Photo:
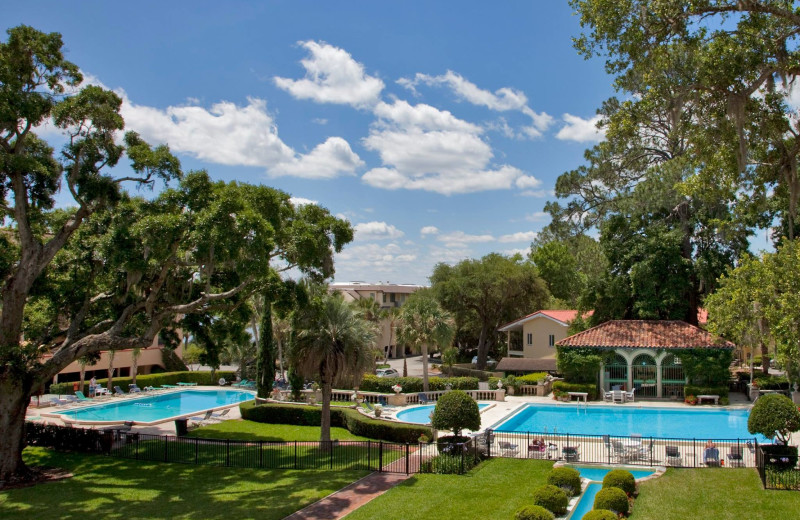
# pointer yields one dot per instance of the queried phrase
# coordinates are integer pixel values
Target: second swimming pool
(421, 414)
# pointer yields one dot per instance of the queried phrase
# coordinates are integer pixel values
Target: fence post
(408, 451)
(330, 444)
(489, 437)
(196, 450)
(694, 451)
(166, 447)
(295, 454)
(380, 456)
(369, 454)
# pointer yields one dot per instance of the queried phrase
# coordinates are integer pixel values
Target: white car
(489, 362)
(387, 372)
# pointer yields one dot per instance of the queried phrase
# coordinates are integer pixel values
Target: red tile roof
(509, 364)
(645, 334)
(564, 316)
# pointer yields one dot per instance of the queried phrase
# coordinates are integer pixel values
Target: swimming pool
(421, 414)
(596, 475)
(157, 408)
(623, 421)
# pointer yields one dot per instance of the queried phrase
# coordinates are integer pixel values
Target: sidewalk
(338, 504)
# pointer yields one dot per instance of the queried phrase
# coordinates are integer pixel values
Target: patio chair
(206, 417)
(79, 395)
(636, 440)
(483, 441)
(508, 449)
(673, 456)
(570, 453)
(618, 396)
(423, 398)
(369, 406)
(629, 395)
(621, 453)
(537, 449)
(734, 456)
(219, 416)
(608, 396)
(382, 401)
(711, 457)
(750, 446)
(134, 389)
(118, 391)
(243, 382)
(646, 452)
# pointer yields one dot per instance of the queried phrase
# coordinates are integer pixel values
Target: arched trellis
(616, 371)
(644, 375)
(673, 378)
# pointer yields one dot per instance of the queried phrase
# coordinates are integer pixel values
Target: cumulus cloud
(527, 182)
(356, 260)
(425, 148)
(326, 161)
(538, 216)
(332, 76)
(501, 100)
(376, 231)
(580, 130)
(300, 201)
(522, 236)
(429, 230)
(461, 238)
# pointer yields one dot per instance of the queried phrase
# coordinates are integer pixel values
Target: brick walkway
(350, 498)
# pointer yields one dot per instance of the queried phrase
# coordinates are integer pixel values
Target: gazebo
(645, 354)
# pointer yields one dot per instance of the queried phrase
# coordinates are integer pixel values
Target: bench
(715, 397)
(579, 395)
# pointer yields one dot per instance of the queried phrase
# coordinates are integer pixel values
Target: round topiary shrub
(613, 499)
(568, 479)
(600, 514)
(456, 411)
(533, 513)
(620, 478)
(551, 498)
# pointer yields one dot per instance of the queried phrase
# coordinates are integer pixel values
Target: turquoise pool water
(155, 408)
(586, 503)
(625, 420)
(421, 414)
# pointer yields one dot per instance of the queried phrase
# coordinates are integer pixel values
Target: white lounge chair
(629, 395)
(618, 396)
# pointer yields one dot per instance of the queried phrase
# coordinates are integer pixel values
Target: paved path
(350, 498)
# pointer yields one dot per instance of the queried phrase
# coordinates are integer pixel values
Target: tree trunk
(83, 375)
(15, 396)
(424, 350)
(135, 364)
(325, 418)
(280, 359)
(110, 384)
(482, 349)
(265, 364)
(764, 358)
(405, 362)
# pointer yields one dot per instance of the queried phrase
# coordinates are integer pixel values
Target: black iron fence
(778, 470)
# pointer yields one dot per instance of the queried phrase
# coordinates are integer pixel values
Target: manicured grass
(254, 431)
(117, 489)
(495, 489)
(718, 494)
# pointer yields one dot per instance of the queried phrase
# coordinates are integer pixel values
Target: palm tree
(281, 328)
(331, 338)
(423, 324)
(240, 353)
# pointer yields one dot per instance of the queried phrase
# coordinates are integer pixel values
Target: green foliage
(445, 464)
(265, 366)
(707, 367)
(559, 269)
(579, 365)
(563, 386)
(172, 363)
(450, 356)
(350, 419)
(164, 378)
(295, 380)
(517, 381)
(772, 382)
(613, 499)
(456, 411)
(566, 479)
(622, 479)
(84, 440)
(600, 514)
(533, 513)
(411, 385)
(774, 415)
(721, 391)
(551, 498)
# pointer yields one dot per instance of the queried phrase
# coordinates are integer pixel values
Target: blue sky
(437, 128)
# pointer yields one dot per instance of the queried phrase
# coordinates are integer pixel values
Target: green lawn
(254, 431)
(495, 489)
(718, 494)
(117, 489)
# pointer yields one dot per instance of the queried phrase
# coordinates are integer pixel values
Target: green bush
(449, 464)
(613, 499)
(774, 415)
(589, 388)
(551, 498)
(411, 385)
(721, 391)
(63, 438)
(600, 514)
(348, 418)
(622, 479)
(567, 479)
(532, 378)
(456, 411)
(164, 378)
(533, 513)
(772, 382)
(461, 371)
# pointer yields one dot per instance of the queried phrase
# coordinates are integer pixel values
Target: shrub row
(622, 479)
(567, 479)
(589, 388)
(721, 391)
(482, 375)
(372, 383)
(449, 464)
(612, 499)
(164, 378)
(533, 513)
(772, 382)
(517, 381)
(348, 418)
(62, 438)
(551, 498)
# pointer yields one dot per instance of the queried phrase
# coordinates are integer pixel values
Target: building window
(391, 297)
(530, 338)
(552, 340)
(384, 297)
(372, 296)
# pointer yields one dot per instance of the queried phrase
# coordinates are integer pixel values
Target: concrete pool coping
(130, 398)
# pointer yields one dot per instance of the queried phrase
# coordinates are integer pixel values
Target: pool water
(154, 408)
(421, 414)
(623, 421)
(599, 473)
(586, 503)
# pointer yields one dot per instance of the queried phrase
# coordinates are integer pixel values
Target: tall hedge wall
(164, 378)
(348, 418)
(372, 383)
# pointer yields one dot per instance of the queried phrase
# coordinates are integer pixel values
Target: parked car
(387, 372)
(489, 362)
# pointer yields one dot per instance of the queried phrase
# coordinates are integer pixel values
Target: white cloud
(522, 236)
(425, 148)
(376, 231)
(580, 130)
(512, 252)
(460, 238)
(501, 100)
(527, 181)
(356, 260)
(429, 230)
(326, 161)
(538, 216)
(320, 121)
(300, 201)
(536, 193)
(332, 76)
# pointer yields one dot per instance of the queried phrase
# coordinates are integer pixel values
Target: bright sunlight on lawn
(718, 494)
(495, 489)
(118, 489)
(254, 431)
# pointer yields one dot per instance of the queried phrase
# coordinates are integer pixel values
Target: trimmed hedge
(533, 513)
(589, 388)
(772, 382)
(622, 479)
(164, 378)
(551, 498)
(62, 438)
(348, 418)
(445, 464)
(372, 383)
(567, 479)
(600, 514)
(721, 391)
(613, 499)
(457, 371)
